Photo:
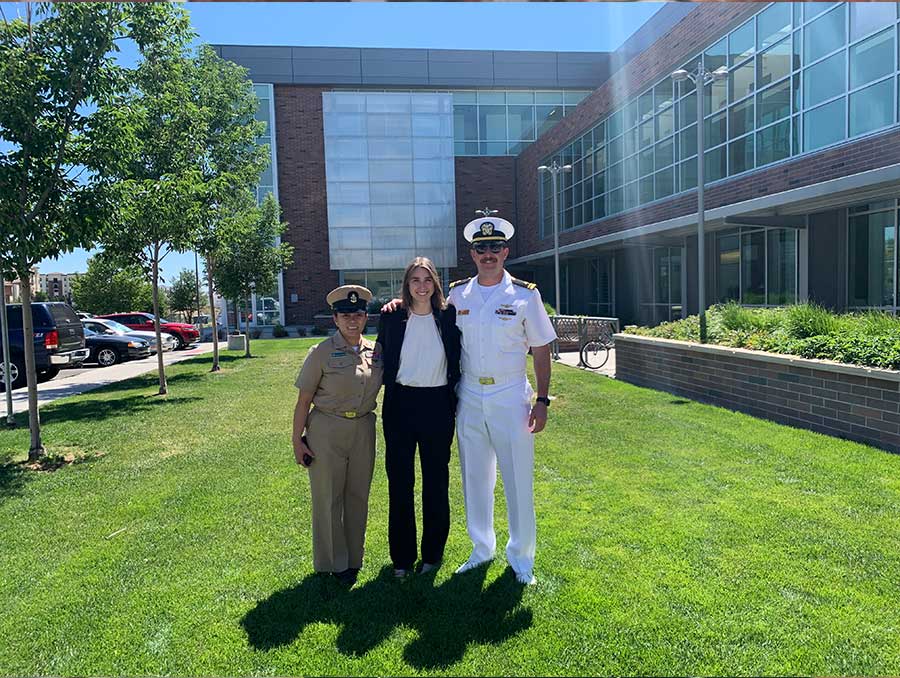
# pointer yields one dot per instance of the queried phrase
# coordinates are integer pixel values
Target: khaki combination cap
(349, 298)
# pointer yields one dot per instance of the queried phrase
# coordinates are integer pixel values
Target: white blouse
(423, 362)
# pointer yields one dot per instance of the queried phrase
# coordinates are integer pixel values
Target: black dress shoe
(347, 577)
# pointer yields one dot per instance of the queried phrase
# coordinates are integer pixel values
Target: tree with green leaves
(159, 180)
(184, 295)
(61, 122)
(230, 162)
(107, 287)
(252, 256)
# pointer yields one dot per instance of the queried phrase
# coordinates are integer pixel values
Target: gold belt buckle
(485, 381)
(350, 415)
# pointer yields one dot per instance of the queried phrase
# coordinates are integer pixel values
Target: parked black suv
(58, 340)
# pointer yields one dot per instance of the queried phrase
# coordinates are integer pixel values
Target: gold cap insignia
(353, 297)
(487, 228)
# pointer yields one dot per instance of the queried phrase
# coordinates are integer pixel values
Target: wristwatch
(543, 399)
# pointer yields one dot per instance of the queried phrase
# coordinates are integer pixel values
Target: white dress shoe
(526, 578)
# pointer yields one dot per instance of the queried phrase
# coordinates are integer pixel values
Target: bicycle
(594, 354)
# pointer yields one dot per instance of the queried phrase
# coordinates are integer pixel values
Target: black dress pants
(425, 417)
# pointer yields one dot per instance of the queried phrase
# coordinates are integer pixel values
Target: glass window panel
(631, 114)
(824, 125)
(632, 195)
(588, 209)
(546, 117)
(645, 133)
(687, 85)
(551, 98)
(465, 148)
(824, 80)
(615, 149)
(492, 123)
(645, 105)
(516, 147)
(773, 103)
(631, 168)
(661, 271)
(773, 24)
(599, 208)
(521, 123)
(465, 123)
(615, 175)
(740, 155)
(872, 108)
(520, 98)
(740, 118)
(615, 124)
(665, 152)
(773, 143)
(753, 267)
(716, 56)
(687, 142)
(663, 94)
(871, 259)
(390, 170)
(599, 159)
(665, 182)
(781, 261)
(598, 184)
(646, 189)
(716, 129)
(577, 193)
(688, 171)
(728, 273)
(646, 161)
(866, 17)
(824, 35)
(496, 98)
(741, 43)
(775, 63)
(492, 148)
(687, 111)
(588, 188)
(872, 58)
(616, 200)
(716, 95)
(814, 9)
(741, 81)
(716, 165)
(665, 123)
(629, 140)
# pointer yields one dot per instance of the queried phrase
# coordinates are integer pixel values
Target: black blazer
(391, 330)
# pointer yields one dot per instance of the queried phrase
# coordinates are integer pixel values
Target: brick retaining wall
(857, 403)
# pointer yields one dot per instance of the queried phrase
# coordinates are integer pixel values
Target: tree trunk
(247, 325)
(212, 316)
(163, 387)
(36, 452)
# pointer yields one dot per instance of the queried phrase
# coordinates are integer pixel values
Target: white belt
(493, 380)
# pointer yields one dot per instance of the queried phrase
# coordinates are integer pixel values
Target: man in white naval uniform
(500, 318)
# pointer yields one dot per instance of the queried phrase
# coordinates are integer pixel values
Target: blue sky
(543, 26)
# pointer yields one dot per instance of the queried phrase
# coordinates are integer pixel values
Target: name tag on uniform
(338, 354)
(463, 311)
(505, 311)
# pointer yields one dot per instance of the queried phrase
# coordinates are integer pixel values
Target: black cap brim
(346, 306)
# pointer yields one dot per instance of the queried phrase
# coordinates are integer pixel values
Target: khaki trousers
(339, 482)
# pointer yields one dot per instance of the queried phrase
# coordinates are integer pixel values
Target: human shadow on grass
(447, 618)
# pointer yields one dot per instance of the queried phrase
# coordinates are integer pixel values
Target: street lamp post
(554, 169)
(701, 78)
(4, 337)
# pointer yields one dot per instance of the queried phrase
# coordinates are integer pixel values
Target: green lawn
(673, 538)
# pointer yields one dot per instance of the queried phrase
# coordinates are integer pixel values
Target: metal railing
(573, 331)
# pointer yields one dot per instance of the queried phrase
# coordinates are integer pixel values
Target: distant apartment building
(57, 286)
(12, 289)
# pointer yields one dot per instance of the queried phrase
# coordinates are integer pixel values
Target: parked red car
(184, 334)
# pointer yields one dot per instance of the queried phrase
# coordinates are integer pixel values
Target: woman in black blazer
(420, 345)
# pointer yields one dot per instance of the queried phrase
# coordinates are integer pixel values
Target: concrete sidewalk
(572, 359)
(89, 379)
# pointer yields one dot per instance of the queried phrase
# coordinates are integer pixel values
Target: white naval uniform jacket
(498, 331)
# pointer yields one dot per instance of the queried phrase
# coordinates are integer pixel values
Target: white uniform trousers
(492, 427)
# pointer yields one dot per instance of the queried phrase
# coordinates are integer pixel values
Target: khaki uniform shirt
(342, 380)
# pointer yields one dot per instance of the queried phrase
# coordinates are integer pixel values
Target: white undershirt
(422, 359)
(486, 290)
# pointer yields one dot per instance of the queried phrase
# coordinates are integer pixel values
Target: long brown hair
(437, 299)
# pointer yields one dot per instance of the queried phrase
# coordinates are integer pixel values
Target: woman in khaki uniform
(340, 379)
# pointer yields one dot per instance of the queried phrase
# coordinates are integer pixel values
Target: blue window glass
(872, 107)
(872, 58)
(773, 24)
(824, 125)
(824, 35)
(824, 80)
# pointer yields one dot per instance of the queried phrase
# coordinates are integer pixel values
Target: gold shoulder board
(524, 283)
(459, 282)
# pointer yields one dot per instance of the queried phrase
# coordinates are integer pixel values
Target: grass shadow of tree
(447, 618)
(97, 410)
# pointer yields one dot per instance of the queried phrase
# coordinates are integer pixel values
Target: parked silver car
(106, 326)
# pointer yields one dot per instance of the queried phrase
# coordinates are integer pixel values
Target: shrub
(319, 332)
(255, 333)
(301, 331)
(550, 310)
(809, 320)
(279, 331)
